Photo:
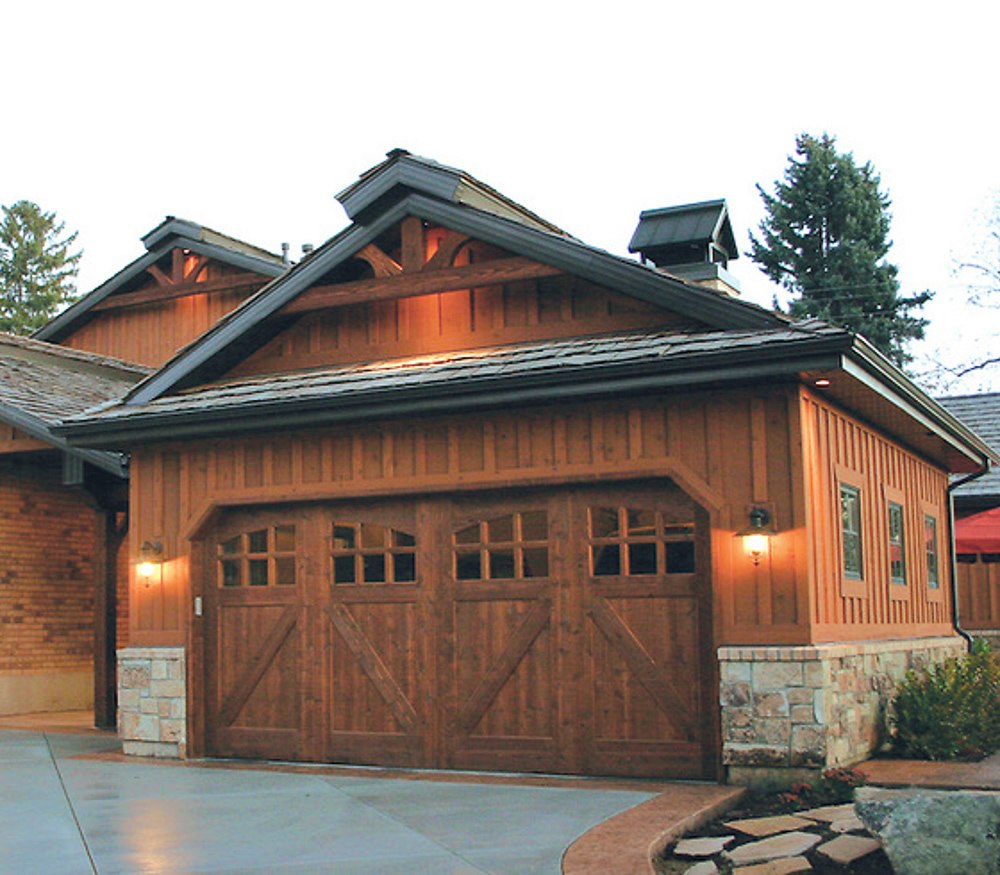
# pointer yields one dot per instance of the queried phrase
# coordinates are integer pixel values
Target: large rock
(934, 832)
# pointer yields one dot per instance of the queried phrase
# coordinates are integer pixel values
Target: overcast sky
(248, 117)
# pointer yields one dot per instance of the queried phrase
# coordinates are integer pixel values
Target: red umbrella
(979, 533)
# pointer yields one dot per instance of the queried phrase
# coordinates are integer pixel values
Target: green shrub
(951, 710)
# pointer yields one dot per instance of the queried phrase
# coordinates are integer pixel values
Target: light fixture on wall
(150, 559)
(757, 535)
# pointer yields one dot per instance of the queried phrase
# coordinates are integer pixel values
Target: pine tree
(36, 267)
(825, 238)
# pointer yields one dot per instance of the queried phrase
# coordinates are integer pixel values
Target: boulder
(934, 832)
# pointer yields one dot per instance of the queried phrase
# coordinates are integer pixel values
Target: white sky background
(248, 117)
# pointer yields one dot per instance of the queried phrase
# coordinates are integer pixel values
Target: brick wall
(46, 574)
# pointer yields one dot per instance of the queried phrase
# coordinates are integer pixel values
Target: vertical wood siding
(726, 450)
(560, 306)
(839, 448)
(149, 334)
(979, 594)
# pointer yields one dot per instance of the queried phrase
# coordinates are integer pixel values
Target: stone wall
(152, 701)
(815, 707)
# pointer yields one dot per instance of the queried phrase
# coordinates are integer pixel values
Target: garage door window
(510, 547)
(365, 553)
(634, 542)
(264, 557)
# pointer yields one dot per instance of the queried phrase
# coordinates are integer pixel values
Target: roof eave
(718, 368)
(61, 325)
(601, 267)
(870, 367)
(37, 428)
(266, 302)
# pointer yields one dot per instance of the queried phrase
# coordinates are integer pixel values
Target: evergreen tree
(36, 267)
(824, 240)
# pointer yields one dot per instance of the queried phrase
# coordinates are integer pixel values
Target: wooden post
(107, 541)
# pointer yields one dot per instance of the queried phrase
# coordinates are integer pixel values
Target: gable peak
(403, 173)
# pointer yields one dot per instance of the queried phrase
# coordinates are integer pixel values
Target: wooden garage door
(256, 640)
(561, 631)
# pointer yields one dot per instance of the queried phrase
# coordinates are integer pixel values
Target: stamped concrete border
(627, 843)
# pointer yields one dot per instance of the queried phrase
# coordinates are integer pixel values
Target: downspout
(956, 620)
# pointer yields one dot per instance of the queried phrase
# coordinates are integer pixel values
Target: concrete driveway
(69, 805)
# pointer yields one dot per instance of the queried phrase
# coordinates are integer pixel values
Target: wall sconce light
(150, 559)
(757, 535)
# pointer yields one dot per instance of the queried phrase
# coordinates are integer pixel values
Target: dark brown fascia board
(198, 357)
(111, 462)
(195, 363)
(59, 326)
(175, 227)
(376, 184)
(403, 173)
(868, 366)
(620, 274)
(703, 369)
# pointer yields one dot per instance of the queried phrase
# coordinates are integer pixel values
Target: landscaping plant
(949, 711)
(834, 787)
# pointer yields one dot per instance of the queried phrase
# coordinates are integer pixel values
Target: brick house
(64, 510)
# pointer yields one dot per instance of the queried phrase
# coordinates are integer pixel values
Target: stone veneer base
(791, 711)
(152, 701)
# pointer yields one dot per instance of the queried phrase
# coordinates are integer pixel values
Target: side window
(265, 557)
(365, 553)
(936, 573)
(850, 523)
(633, 542)
(510, 547)
(931, 551)
(897, 543)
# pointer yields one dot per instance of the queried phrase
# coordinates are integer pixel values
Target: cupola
(692, 242)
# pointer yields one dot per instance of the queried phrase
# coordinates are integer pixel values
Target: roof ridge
(55, 350)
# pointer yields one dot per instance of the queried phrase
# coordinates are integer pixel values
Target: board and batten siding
(784, 448)
(979, 593)
(840, 448)
(151, 333)
(727, 450)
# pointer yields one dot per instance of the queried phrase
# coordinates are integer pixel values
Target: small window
(897, 545)
(850, 515)
(637, 543)
(364, 553)
(263, 557)
(510, 547)
(931, 551)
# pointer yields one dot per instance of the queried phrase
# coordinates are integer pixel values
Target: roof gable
(171, 235)
(403, 173)
(402, 187)
(455, 293)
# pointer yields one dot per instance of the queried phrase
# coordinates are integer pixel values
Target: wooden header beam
(231, 283)
(426, 282)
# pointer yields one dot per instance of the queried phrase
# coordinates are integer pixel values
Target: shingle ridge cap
(58, 351)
